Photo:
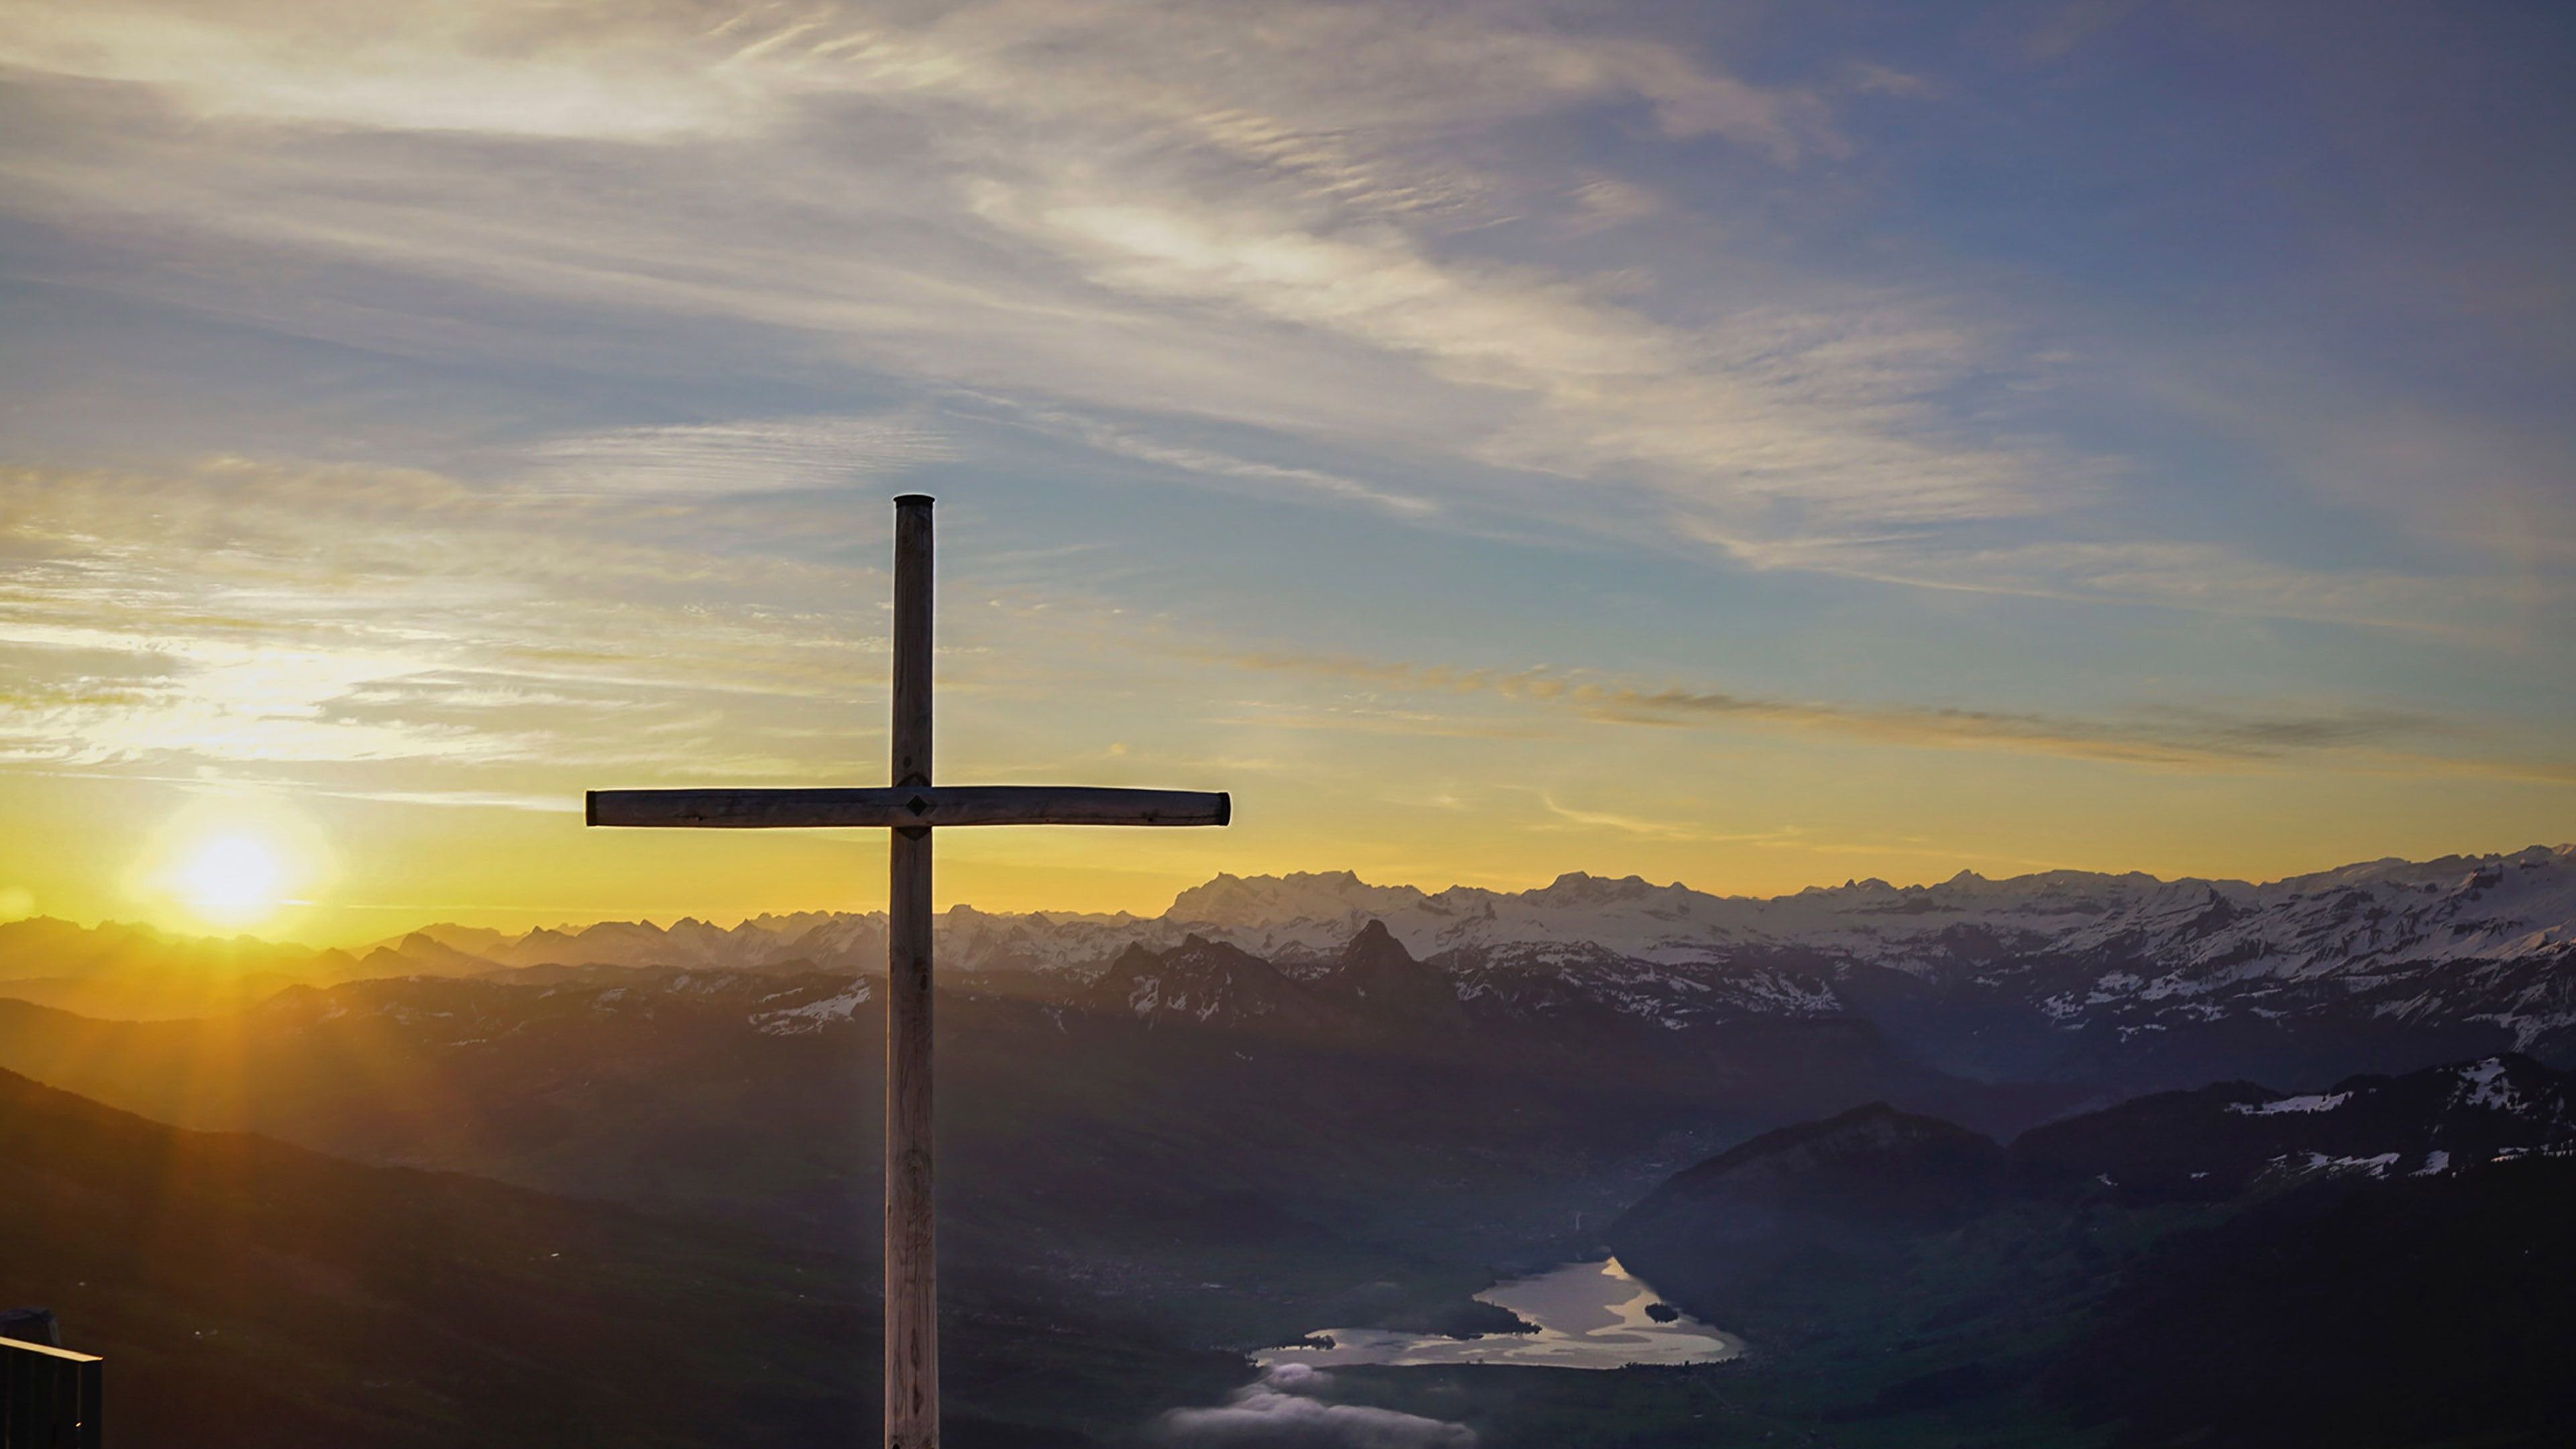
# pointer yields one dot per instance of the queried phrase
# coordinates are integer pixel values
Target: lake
(1589, 1316)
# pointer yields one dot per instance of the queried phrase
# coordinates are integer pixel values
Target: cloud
(1316, 223)
(1254, 215)
(252, 615)
(277, 616)
(1607, 201)
(751, 456)
(565, 803)
(1652, 829)
(1287, 1410)
(2164, 735)
(1822, 411)
(1374, 257)
(1211, 464)
(2153, 735)
(1872, 78)
(2209, 577)
(462, 68)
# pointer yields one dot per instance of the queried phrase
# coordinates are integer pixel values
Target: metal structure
(49, 1397)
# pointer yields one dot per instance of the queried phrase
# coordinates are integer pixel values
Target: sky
(1754, 445)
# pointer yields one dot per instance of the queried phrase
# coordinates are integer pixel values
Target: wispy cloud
(2166, 735)
(768, 455)
(256, 614)
(1653, 829)
(1306, 220)
(1100, 219)
(1211, 464)
(558, 804)
(1255, 216)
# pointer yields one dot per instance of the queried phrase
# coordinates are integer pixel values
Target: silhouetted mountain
(2381, 1264)
(115, 969)
(1387, 986)
(1874, 1175)
(1208, 984)
(1851, 1186)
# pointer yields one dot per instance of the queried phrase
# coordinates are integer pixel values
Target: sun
(232, 877)
(233, 859)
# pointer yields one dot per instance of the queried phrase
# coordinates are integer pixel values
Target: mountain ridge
(2138, 982)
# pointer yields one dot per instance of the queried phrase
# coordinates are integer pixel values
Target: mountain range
(2124, 982)
(1949, 1139)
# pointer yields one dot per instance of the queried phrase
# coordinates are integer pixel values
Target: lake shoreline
(1587, 1315)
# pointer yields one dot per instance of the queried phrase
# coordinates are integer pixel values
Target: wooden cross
(911, 808)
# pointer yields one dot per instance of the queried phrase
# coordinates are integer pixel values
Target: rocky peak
(1386, 980)
(1203, 981)
(1254, 902)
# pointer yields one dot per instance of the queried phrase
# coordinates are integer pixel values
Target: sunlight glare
(234, 877)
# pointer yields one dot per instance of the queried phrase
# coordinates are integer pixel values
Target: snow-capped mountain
(2126, 980)
(2361, 920)
(2063, 974)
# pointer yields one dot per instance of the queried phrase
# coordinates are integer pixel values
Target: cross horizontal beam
(908, 805)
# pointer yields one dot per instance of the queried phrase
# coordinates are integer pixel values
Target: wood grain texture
(911, 1244)
(911, 1238)
(910, 727)
(913, 1265)
(942, 805)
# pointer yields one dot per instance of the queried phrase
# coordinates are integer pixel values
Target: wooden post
(909, 808)
(911, 1249)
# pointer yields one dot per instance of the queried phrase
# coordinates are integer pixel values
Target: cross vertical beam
(911, 1246)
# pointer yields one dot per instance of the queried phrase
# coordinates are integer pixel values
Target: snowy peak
(2197, 935)
(1286, 900)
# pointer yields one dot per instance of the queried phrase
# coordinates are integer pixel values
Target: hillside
(2427, 1311)
(1368, 1129)
(250, 1293)
(2380, 1264)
